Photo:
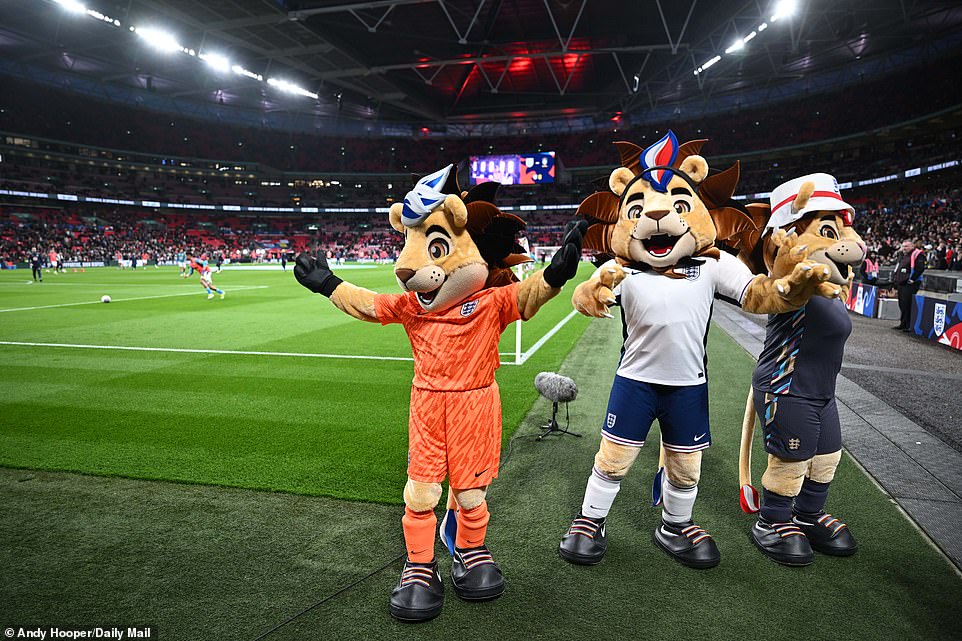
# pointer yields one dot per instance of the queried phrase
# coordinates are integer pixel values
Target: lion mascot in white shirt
(660, 221)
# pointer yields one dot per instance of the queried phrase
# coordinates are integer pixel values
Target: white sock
(599, 495)
(677, 502)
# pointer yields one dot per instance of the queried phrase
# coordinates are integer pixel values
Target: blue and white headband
(424, 197)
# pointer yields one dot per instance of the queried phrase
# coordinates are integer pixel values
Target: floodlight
(705, 66)
(239, 70)
(158, 39)
(783, 9)
(736, 46)
(290, 87)
(216, 61)
(72, 6)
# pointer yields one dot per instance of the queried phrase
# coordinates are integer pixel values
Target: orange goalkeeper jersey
(457, 349)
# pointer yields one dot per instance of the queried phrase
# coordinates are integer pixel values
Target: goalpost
(542, 254)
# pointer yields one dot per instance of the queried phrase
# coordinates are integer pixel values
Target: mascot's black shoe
(783, 543)
(475, 575)
(585, 542)
(688, 544)
(826, 534)
(419, 594)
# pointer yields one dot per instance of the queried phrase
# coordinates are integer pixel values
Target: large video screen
(514, 169)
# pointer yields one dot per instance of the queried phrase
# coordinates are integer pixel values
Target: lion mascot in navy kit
(660, 220)
(459, 296)
(793, 387)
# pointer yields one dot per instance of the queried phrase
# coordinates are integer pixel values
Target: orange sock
(472, 526)
(419, 534)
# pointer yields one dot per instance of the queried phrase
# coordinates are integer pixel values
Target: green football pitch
(230, 469)
(270, 388)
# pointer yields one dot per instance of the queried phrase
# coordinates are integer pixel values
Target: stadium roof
(443, 62)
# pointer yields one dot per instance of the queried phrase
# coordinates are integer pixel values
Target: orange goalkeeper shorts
(455, 434)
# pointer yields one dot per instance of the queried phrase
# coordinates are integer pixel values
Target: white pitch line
(121, 300)
(47, 283)
(178, 350)
(544, 339)
(228, 352)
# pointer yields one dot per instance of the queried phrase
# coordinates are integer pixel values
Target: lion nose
(657, 214)
(404, 275)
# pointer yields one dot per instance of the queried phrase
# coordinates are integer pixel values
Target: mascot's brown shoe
(827, 534)
(474, 574)
(585, 542)
(419, 594)
(688, 544)
(783, 543)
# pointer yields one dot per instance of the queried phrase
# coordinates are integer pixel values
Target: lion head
(808, 219)
(455, 243)
(663, 206)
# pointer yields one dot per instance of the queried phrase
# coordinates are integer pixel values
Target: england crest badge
(938, 319)
(691, 272)
(469, 307)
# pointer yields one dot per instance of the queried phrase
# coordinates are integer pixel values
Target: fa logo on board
(938, 319)
(469, 307)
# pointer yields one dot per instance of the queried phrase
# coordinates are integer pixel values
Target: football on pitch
(105, 299)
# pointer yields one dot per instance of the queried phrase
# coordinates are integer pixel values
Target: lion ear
(598, 237)
(804, 193)
(696, 167)
(459, 213)
(395, 216)
(619, 179)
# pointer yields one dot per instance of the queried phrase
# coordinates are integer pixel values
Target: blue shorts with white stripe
(682, 413)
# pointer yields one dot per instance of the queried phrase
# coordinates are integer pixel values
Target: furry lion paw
(804, 281)
(790, 243)
(612, 275)
(594, 296)
(781, 238)
(829, 290)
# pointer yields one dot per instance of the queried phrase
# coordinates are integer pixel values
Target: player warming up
(200, 266)
(459, 296)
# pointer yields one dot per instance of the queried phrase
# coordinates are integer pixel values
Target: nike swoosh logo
(418, 552)
(477, 474)
(699, 437)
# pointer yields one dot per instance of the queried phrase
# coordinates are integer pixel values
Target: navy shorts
(682, 412)
(798, 428)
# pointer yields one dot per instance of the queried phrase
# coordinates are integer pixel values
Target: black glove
(313, 273)
(564, 263)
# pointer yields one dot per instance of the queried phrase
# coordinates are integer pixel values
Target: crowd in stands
(47, 112)
(928, 212)
(98, 235)
(930, 216)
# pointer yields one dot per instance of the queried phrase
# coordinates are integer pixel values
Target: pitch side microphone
(556, 388)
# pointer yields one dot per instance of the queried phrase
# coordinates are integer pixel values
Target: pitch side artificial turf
(202, 562)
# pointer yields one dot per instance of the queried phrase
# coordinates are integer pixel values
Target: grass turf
(218, 563)
(330, 427)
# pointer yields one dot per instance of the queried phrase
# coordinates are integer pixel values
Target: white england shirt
(666, 319)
